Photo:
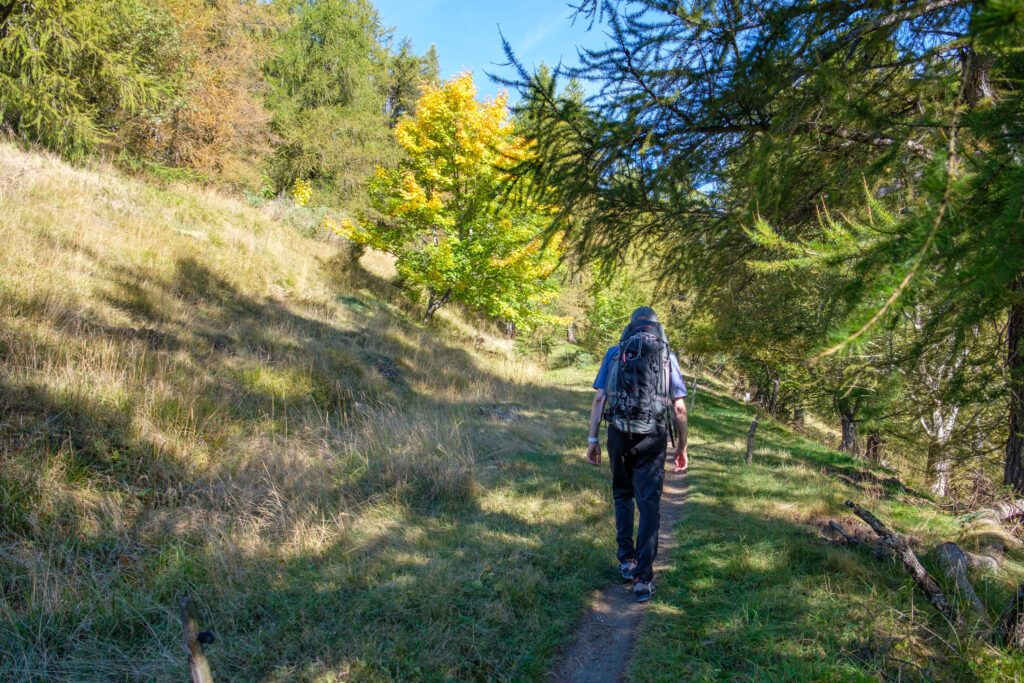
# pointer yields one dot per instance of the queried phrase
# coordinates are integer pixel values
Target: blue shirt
(676, 384)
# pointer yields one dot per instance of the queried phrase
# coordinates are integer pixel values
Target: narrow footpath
(605, 635)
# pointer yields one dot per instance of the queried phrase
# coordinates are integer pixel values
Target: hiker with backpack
(641, 392)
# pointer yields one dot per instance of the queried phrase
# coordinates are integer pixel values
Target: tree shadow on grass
(454, 583)
(753, 594)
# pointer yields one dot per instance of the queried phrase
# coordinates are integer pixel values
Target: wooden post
(197, 663)
(750, 441)
(696, 377)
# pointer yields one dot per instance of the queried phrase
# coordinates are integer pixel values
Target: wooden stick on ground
(852, 540)
(954, 564)
(899, 545)
(876, 550)
(197, 664)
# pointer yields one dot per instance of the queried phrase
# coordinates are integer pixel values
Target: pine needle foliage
(324, 82)
(867, 153)
(73, 73)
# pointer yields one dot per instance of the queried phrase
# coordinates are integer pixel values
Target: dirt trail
(605, 635)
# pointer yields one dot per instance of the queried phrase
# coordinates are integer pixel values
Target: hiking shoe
(626, 568)
(643, 590)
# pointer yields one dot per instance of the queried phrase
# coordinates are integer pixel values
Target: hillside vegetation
(197, 398)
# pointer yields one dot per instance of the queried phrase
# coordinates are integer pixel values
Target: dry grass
(196, 397)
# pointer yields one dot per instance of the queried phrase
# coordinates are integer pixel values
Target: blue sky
(466, 33)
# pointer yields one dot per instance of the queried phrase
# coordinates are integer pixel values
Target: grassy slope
(755, 594)
(192, 398)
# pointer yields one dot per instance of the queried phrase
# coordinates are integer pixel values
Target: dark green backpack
(638, 380)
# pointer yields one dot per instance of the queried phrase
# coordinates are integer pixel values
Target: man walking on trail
(639, 381)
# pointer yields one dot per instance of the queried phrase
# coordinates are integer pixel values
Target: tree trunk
(937, 468)
(798, 416)
(849, 439)
(570, 333)
(436, 302)
(1013, 472)
(510, 330)
(774, 402)
(750, 441)
(873, 448)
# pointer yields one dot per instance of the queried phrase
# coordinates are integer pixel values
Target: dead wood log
(976, 561)
(999, 512)
(750, 440)
(1011, 621)
(954, 564)
(898, 544)
(197, 663)
(1006, 509)
(850, 539)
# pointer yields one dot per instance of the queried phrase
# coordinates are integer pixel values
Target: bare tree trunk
(937, 468)
(873, 448)
(1013, 472)
(798, 416)
(849, 436)
(570, 333)
(436, 302)
(750, 441)
(510, 330)
(774, 402)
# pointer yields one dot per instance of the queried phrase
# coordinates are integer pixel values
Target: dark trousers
(638, 474)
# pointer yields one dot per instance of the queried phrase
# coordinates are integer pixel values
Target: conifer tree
(326, 97)
(717, 115)
(72, 73)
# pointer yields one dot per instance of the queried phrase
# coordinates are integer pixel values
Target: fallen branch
(850, 539)
(954, 563)
(899, 545)
(1001, 511)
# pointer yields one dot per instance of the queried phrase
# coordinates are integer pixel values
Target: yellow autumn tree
(455, 234)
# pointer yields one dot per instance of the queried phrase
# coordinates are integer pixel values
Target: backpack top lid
(651, 326)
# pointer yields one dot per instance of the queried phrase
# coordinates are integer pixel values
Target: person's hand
(594, 454)
(682, 461)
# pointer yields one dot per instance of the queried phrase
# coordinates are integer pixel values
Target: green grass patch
(753, 592)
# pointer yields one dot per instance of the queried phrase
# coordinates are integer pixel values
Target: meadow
(211, 396)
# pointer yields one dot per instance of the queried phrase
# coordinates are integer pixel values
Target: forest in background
(825, 198)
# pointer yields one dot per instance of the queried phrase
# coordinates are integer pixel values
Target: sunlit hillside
(197, 398)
